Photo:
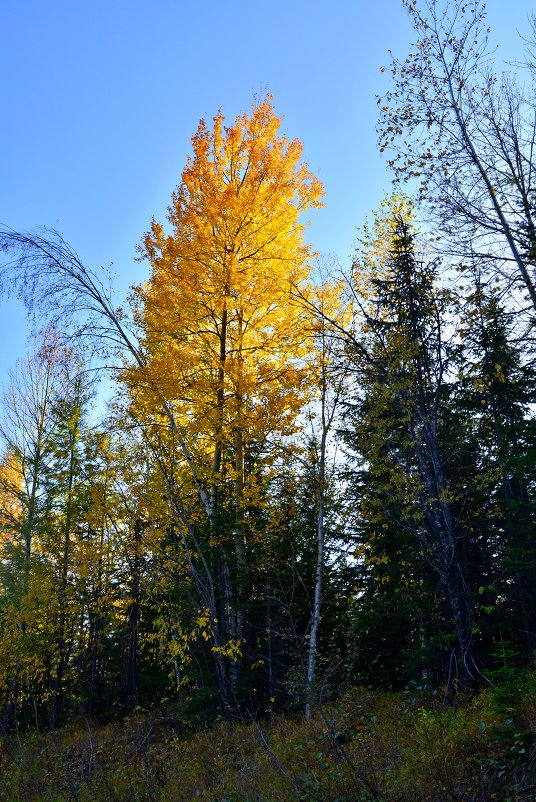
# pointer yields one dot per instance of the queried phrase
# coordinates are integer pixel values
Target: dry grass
(386, 747)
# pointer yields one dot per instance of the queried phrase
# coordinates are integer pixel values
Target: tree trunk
(133, 618)
(57, 697)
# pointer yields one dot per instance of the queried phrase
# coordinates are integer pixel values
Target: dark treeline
(303, 482)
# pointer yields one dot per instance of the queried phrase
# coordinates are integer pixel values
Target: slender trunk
(132, 658)
(27, 532)
(269, 645)
(459, 601)
(230, 613)
(31, 516)
(240, 535)
(441, 523)
(224, 679)
(516, 491)
(10, 711)
(220, 413)
(239, 481)
(57, 698)
(95, 628)
(425, 657)
(317, 604)
(133, 619)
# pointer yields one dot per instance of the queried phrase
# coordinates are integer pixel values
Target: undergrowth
(404, 747)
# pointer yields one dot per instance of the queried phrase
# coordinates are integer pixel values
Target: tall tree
(329, 376)
(400, 423)
(497, 386)
(221, 331)
(68, 501)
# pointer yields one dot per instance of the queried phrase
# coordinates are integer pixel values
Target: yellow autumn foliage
(224, 338)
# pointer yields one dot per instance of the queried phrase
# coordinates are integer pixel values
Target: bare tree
(467, 135)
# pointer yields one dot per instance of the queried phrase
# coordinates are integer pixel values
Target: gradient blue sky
(99, 100)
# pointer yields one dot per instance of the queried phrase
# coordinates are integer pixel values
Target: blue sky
(99, 101)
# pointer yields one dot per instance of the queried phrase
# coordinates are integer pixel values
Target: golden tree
(219, 325)
(223, 338)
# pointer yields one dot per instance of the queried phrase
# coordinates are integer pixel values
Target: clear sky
(99, 100)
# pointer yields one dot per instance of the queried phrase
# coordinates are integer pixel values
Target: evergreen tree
(497, 386)
(400, 429)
